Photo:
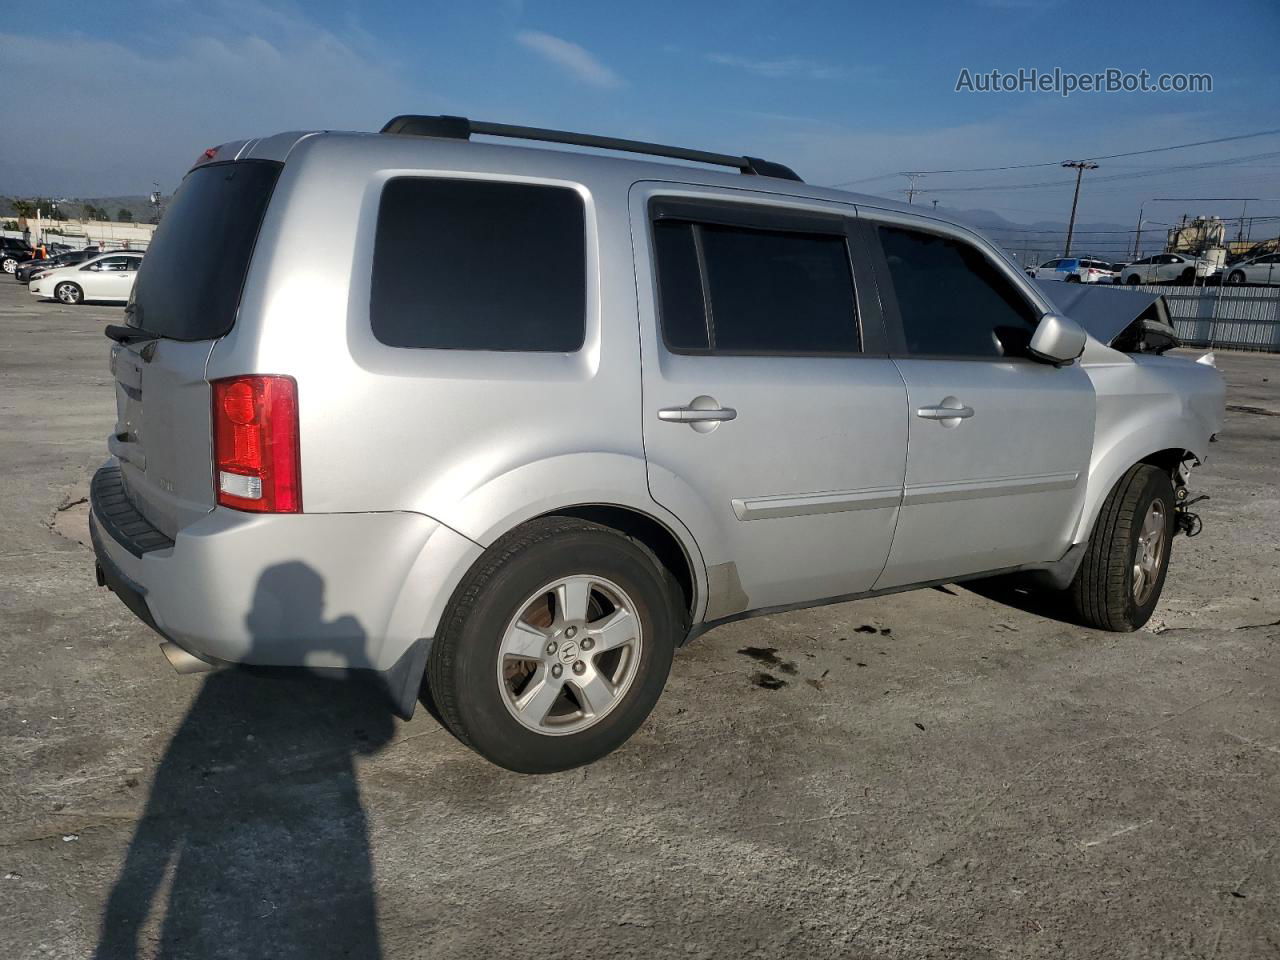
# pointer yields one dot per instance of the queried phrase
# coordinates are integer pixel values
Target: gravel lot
(934, 774)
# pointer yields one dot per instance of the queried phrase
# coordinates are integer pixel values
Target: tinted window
(952, 300)
(472, 265)
(774, 292)
(188, 287)
(684, 316)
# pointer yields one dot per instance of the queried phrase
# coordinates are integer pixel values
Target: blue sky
(131, 91)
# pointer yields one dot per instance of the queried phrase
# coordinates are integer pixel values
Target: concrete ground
(934, 774)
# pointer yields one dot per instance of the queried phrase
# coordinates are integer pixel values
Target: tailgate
(185, 299)
(162, 431)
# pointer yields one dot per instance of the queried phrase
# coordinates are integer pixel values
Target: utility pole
(1137, 234)
(1080, 167)
(911, 188)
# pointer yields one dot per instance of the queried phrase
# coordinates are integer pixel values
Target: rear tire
(515, 671)
(1122, 575)
(68, 293)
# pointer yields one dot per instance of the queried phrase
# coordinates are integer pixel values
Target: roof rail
(460, 128)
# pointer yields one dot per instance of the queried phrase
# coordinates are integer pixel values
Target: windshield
(189, 284)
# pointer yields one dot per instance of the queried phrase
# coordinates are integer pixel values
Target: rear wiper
(122, 334)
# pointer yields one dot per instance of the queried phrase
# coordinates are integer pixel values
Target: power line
(1054, 163)
(1154, 172)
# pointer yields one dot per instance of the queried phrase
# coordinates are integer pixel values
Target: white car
(1164, 267)
(107, 277)
(1265, 269)
(1073, 270)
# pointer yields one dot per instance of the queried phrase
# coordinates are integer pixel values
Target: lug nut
(557, 670)
(579, 667)
(551, 648)
(587, 643)
(571, 632)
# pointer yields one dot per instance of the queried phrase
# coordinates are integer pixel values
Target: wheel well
(1169, 460)
(648, 531)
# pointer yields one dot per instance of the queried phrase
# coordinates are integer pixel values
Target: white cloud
(570, 57)
(780, 68)
(112, 117)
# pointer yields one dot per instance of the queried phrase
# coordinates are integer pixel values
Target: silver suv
(519, 421)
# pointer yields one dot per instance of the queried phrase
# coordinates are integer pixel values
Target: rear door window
(737, 290)
(189, 283)
(952, 301)
(479, 265)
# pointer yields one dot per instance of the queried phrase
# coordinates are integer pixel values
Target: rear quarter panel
(478, 441)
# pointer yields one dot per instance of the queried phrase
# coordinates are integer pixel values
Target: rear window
(189, 284)
(479, 265)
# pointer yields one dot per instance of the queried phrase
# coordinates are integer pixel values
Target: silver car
(506, 426)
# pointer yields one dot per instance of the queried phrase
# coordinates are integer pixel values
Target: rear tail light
(255, 444)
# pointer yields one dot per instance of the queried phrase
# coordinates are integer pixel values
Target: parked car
(104, 277)
(31, 269)
(1166, 268)
(1259, 270)
(13, 252)
(557, 413)
(1074, 270)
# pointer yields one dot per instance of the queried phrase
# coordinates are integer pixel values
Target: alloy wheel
(1149, 554)
(569, 655)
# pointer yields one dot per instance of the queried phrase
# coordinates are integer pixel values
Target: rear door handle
(945, 413)
(696, 415)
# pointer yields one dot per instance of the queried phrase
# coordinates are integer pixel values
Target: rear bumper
(305, 590)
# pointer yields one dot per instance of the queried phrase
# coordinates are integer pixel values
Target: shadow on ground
(254, 841)
(1013, 591)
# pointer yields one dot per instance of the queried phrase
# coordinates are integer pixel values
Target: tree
(124, 216)
(24, 208)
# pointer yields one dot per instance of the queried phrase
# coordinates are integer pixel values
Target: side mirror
(1057, 340)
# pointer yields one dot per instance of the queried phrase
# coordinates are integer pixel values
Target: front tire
(556, 646)
(1236, 277)
(1132, 280)
(68, 293)
(1122, 575)
(10, 264)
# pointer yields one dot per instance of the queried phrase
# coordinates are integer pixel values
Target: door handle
(945, 413)
(696, 415)
(949, 412)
